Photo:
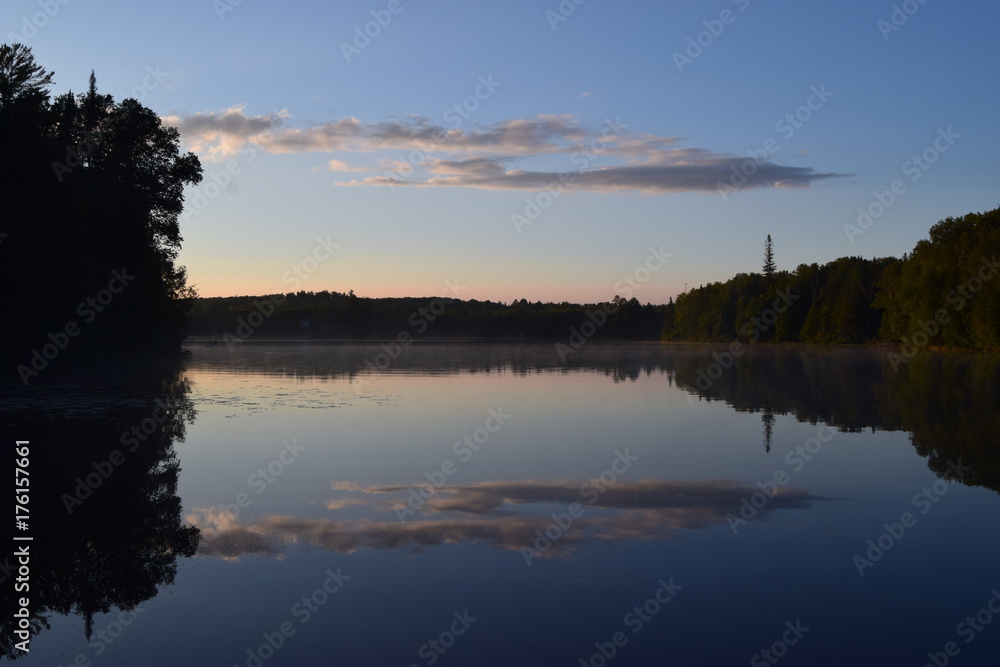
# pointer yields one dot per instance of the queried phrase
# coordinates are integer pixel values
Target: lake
(305, 503)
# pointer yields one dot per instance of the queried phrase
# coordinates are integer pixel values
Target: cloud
(485, 497)
(221, 134)
(340, 165)
(498, 514)
(419, 153)
(704, 176)
(345, 486)
(341, 503)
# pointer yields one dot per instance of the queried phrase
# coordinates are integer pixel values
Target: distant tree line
(943, 294)
(350, 317)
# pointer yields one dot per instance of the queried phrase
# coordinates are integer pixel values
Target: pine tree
(22, 80)
(769, 258)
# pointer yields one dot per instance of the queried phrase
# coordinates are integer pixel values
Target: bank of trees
(346, 316)
(91, 190)
(948, 287)
(944, 293)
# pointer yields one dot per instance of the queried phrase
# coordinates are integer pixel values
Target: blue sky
(586, 112)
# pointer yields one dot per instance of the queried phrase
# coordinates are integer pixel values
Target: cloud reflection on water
(501, 514)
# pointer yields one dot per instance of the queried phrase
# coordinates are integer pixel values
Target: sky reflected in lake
(492, 505)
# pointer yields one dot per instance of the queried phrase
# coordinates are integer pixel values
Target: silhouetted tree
(90, 187)
(23, 82)
(769, 267)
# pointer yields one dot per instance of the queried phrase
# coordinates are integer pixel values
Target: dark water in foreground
(486, 504)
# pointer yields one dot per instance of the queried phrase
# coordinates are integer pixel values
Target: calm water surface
(487, 504)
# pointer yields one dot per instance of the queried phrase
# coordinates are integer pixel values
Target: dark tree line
(91, 190)
(346, 316)
(943, 294)
(956, 271)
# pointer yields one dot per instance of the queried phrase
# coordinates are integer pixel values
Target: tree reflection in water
(106, 527)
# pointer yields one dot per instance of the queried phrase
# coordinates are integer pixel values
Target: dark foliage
(349, 317)
(88, 187)
(944, 294)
